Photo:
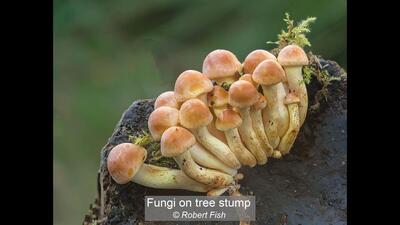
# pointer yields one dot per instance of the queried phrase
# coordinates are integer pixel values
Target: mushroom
(218, 100)
(288, 139)
(254, 58)
(247, 77)
(222, 66)
(166, 99)
(258, 126)
(161, 119)
(192, 84)
(125, 163)
(195, 115)
(242, 95)
(256, 113)
(176, 142)
(270, 75)
(293, 58)
(228, 121)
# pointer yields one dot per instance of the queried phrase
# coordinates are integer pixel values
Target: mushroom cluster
(231, 114)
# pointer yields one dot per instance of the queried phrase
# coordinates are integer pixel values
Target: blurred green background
(109, 53)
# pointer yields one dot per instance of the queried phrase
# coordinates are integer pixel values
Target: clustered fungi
(211, 130)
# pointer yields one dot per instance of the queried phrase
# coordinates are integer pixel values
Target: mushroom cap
(194, 114)
(291, 98)
(217, 97)
(242, 94)
(254, 58)
(221, 63)
(228, 119)
(261, 102)
(175, 141)
(191, 84)
(292, 55)
(269, 72)
(166, 99)
(124, 161)
(161, 119)
(247, 77)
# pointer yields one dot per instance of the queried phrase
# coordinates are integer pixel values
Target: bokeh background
(109, 53)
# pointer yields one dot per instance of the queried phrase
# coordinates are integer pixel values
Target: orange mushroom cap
(254, 58)
(221, 63)
(161, 119)
(175, 141)
(166, 99)
(269, 72)
(195, 114)
(191, 84)
(124, 161)
(242, 94)
(292, 55)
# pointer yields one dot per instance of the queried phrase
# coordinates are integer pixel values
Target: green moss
(154, 155)
(294, 34)
(226, 85)
(142, 139)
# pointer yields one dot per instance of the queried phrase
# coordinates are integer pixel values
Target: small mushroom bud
(228, 121)
(293, 58)
(125, 163)
(195, 115)
(176, 142)
(254, 58)
(288, 139)
(166, 99)
(242, 95)
(270, 75)
(258, 125)
(192, 84)
(222, 66)
(161, 119)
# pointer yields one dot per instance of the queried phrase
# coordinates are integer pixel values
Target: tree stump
(306, 187)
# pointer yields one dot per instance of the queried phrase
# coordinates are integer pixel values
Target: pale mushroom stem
(237, 147)
(297, 86)
(258, 127)
(166, 178)
(294, 127)
(250, 138)
(216, 147)
(203, 175)
(205, 158)
(270, 93)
